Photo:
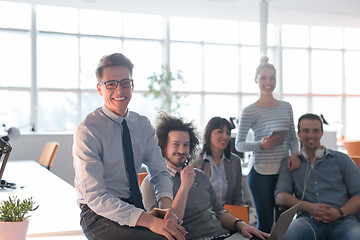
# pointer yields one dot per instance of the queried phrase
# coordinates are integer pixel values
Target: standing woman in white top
(264, 116)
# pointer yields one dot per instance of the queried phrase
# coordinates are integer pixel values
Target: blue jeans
(96, 227)
(344, 229)
(262, 190)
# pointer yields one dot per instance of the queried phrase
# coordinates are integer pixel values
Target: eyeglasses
(112, 84)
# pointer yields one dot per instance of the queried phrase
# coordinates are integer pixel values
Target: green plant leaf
(160, 88)
(15, 210)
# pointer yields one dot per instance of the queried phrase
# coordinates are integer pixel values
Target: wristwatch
(238, 220)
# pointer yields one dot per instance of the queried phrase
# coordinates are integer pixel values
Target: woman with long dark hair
(219, 164)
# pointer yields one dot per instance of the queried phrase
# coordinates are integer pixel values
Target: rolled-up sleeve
(285, 179)
(148, 194)
(351, 175)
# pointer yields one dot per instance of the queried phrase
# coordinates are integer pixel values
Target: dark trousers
(262, 190)
(96, 227)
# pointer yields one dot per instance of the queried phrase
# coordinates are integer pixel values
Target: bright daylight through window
(53, 85)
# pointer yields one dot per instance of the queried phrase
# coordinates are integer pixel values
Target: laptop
(280, 227)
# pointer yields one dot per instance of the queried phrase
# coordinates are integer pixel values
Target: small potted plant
(14, 217)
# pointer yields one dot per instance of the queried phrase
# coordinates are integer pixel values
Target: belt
(83, 206)
(128, 200)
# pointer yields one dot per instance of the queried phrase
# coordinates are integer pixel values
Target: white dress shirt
(100, 176)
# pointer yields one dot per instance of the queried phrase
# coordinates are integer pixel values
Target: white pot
(14, 230)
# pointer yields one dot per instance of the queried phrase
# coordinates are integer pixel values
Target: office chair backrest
(352, 148)
(356, 160)
(48, 154)
(241, 212)
(141, 177)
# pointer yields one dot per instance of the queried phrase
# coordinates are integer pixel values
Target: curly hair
(167, 123)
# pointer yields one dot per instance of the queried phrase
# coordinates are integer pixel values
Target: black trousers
(96, 227)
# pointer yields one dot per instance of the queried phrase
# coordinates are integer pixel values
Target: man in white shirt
(104, 178)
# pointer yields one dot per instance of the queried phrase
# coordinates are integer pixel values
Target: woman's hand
(269, 142)
(170, 216)
(294, 162)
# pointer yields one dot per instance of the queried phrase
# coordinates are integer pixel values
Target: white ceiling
(306, 12)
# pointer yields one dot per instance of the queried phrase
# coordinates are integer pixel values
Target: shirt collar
(113, 116)
(208, 157)
(326, 152)
(171, 170)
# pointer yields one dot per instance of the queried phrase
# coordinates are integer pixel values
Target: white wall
(30, 147)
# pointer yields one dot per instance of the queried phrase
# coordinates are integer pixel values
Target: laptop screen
(283, 222)
(280, 227)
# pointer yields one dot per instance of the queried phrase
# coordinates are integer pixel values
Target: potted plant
(160, 87)
(14, 217)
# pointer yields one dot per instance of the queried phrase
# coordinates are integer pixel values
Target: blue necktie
(130, 168)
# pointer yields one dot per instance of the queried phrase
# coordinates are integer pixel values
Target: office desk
(58, 213)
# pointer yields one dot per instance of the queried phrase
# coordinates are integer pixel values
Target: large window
(47, 68)
(319, 74)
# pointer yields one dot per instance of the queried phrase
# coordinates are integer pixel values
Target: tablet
(282, 133)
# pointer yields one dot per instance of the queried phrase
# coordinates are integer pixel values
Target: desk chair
(141, 177)
(241, 212)
(352, 148)
(48, 154)
(356, 160)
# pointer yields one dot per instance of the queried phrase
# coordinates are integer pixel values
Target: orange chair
(141, 177)
(240, 212)
(352, 148)
(356, 160)
(48, 154)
